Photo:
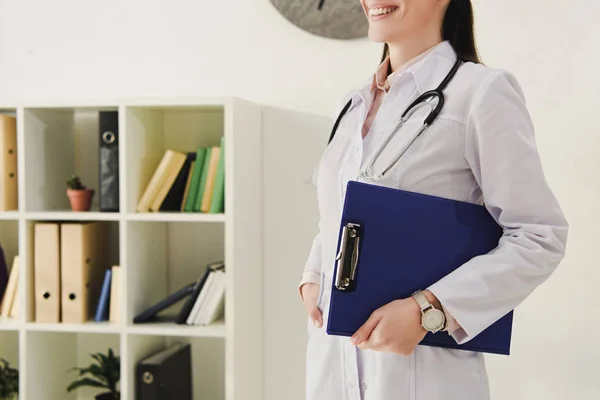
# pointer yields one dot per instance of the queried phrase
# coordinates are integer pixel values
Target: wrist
(433, 317)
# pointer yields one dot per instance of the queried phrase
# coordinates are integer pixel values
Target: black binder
(166, 375)
(108, 192)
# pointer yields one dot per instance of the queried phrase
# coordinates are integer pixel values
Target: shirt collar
(423, 68)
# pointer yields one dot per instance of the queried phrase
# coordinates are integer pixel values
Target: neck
(406, 50)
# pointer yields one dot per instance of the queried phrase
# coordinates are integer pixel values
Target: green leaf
(85, 382)
(94, 370)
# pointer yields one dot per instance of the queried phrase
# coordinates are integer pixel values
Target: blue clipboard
(394, 242)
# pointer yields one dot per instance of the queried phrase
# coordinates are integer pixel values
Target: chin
(378, 36)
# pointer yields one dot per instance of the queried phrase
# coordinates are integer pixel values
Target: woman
(480, 149)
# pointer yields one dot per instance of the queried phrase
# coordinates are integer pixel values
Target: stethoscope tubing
(423, 100)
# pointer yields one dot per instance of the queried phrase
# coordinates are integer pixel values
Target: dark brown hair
(458, 29)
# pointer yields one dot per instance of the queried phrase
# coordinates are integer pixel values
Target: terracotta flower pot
(81, 200)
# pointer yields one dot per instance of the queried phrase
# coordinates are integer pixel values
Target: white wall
(71, 50)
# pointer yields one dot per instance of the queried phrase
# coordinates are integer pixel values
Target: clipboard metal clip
(347, 257)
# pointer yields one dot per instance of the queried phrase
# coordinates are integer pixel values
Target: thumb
(315, 315)
(365, 330)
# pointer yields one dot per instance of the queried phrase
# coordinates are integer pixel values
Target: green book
(200, 192)
(195, 179)
(217, 204)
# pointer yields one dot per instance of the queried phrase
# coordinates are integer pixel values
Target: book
(186, 191)
(217, 204)
(203, 176)
(177, 160)
(187, 307)
(209, 301)
(114, 314)
(11, 289)
(8, 163)
(210, 179)
(195, 179)
(104, 300)
(162, 173)
(173, 200)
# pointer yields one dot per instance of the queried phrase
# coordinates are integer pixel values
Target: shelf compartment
(59, 142)
(50, 357)
(107, 256)
(208, 362)
(163, 257)
(72, 216)
(151, 131)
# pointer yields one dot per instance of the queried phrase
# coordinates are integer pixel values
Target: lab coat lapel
(432, 69)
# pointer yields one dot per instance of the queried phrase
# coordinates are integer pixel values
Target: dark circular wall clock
(336, 19)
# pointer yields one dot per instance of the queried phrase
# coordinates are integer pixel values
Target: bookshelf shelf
(87, 327)
(176, 217)
(215, 330)
(71, 216)
(10, 324)
(10, 216)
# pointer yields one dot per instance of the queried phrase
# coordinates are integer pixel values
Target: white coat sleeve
(312, 266)
(501, 151)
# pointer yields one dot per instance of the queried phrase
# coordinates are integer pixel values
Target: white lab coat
(482, 147)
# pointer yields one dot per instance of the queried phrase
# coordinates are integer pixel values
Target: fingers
(365, 330)
(310, 294)
(316, 316)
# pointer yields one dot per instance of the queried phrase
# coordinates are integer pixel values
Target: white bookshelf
(158, 252)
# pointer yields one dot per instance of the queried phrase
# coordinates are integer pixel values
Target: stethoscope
(425, 99)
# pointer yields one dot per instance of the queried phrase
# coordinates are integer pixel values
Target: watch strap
(422, 300)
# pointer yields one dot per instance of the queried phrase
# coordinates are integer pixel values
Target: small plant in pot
(80, 197)
(102, 374)
(9, 381)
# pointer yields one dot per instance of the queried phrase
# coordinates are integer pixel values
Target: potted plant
(80, 197)
(103, 374)
(9, 381)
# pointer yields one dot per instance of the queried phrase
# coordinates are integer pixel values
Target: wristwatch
(432, 319)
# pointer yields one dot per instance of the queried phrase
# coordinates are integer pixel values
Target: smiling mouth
(376, 12)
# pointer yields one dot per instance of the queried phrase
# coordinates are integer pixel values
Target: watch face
(433, 320)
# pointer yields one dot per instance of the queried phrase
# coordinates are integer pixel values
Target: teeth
(381, 11)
